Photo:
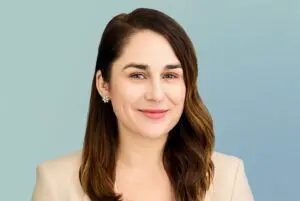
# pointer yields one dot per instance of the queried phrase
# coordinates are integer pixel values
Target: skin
(147, 75)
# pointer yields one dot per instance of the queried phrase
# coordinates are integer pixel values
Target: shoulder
(226, 167)
(225, 162)
(67, 163)
(230, 179)
(55, 175)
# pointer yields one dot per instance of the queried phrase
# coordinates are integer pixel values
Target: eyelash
(136, 75)
(173, 75)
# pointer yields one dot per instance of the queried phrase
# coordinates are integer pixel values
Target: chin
(153, 128)
(154, 132)
(154, 136)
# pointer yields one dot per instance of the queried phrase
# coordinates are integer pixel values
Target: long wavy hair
(187, 155)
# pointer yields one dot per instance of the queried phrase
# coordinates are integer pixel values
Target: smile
(154, 113)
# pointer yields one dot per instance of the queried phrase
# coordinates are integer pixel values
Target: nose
(155, 92)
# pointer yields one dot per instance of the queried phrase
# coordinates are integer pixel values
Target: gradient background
(249, 78)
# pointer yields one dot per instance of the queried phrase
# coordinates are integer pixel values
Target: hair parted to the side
(189, 147)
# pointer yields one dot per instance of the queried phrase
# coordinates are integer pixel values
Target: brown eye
(137, 76)
(170, 76)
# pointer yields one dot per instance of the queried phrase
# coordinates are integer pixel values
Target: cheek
(124, 94)
(177, 94)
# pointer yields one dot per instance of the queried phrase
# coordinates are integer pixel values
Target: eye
(137, 76)
(170, 76)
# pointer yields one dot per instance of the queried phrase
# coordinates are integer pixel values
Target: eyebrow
(145, 67)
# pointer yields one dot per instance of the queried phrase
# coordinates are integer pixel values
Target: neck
(139, 152)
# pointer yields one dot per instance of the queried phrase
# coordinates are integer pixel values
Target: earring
(105, 99)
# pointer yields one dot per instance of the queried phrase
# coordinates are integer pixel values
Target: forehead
(147, 47)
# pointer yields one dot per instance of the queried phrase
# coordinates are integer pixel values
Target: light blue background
(249, 68)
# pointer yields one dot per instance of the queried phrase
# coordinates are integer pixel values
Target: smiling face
(146, 88)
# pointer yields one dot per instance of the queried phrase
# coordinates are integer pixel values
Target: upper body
(149, 135)
(58, 180)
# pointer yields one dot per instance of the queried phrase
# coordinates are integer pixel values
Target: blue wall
(249, 68)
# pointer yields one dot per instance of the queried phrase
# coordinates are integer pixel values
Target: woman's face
(147, 88)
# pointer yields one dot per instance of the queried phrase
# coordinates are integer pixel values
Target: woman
(149, 136)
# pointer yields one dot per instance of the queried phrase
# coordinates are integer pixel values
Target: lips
(154, 113)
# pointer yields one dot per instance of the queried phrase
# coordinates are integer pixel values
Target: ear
(101, 85)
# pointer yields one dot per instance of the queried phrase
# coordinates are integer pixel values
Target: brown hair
(189, 147)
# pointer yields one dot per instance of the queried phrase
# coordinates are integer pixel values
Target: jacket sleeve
(241, 190)
(44, 187)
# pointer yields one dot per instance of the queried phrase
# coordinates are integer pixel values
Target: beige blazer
(57, 180)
